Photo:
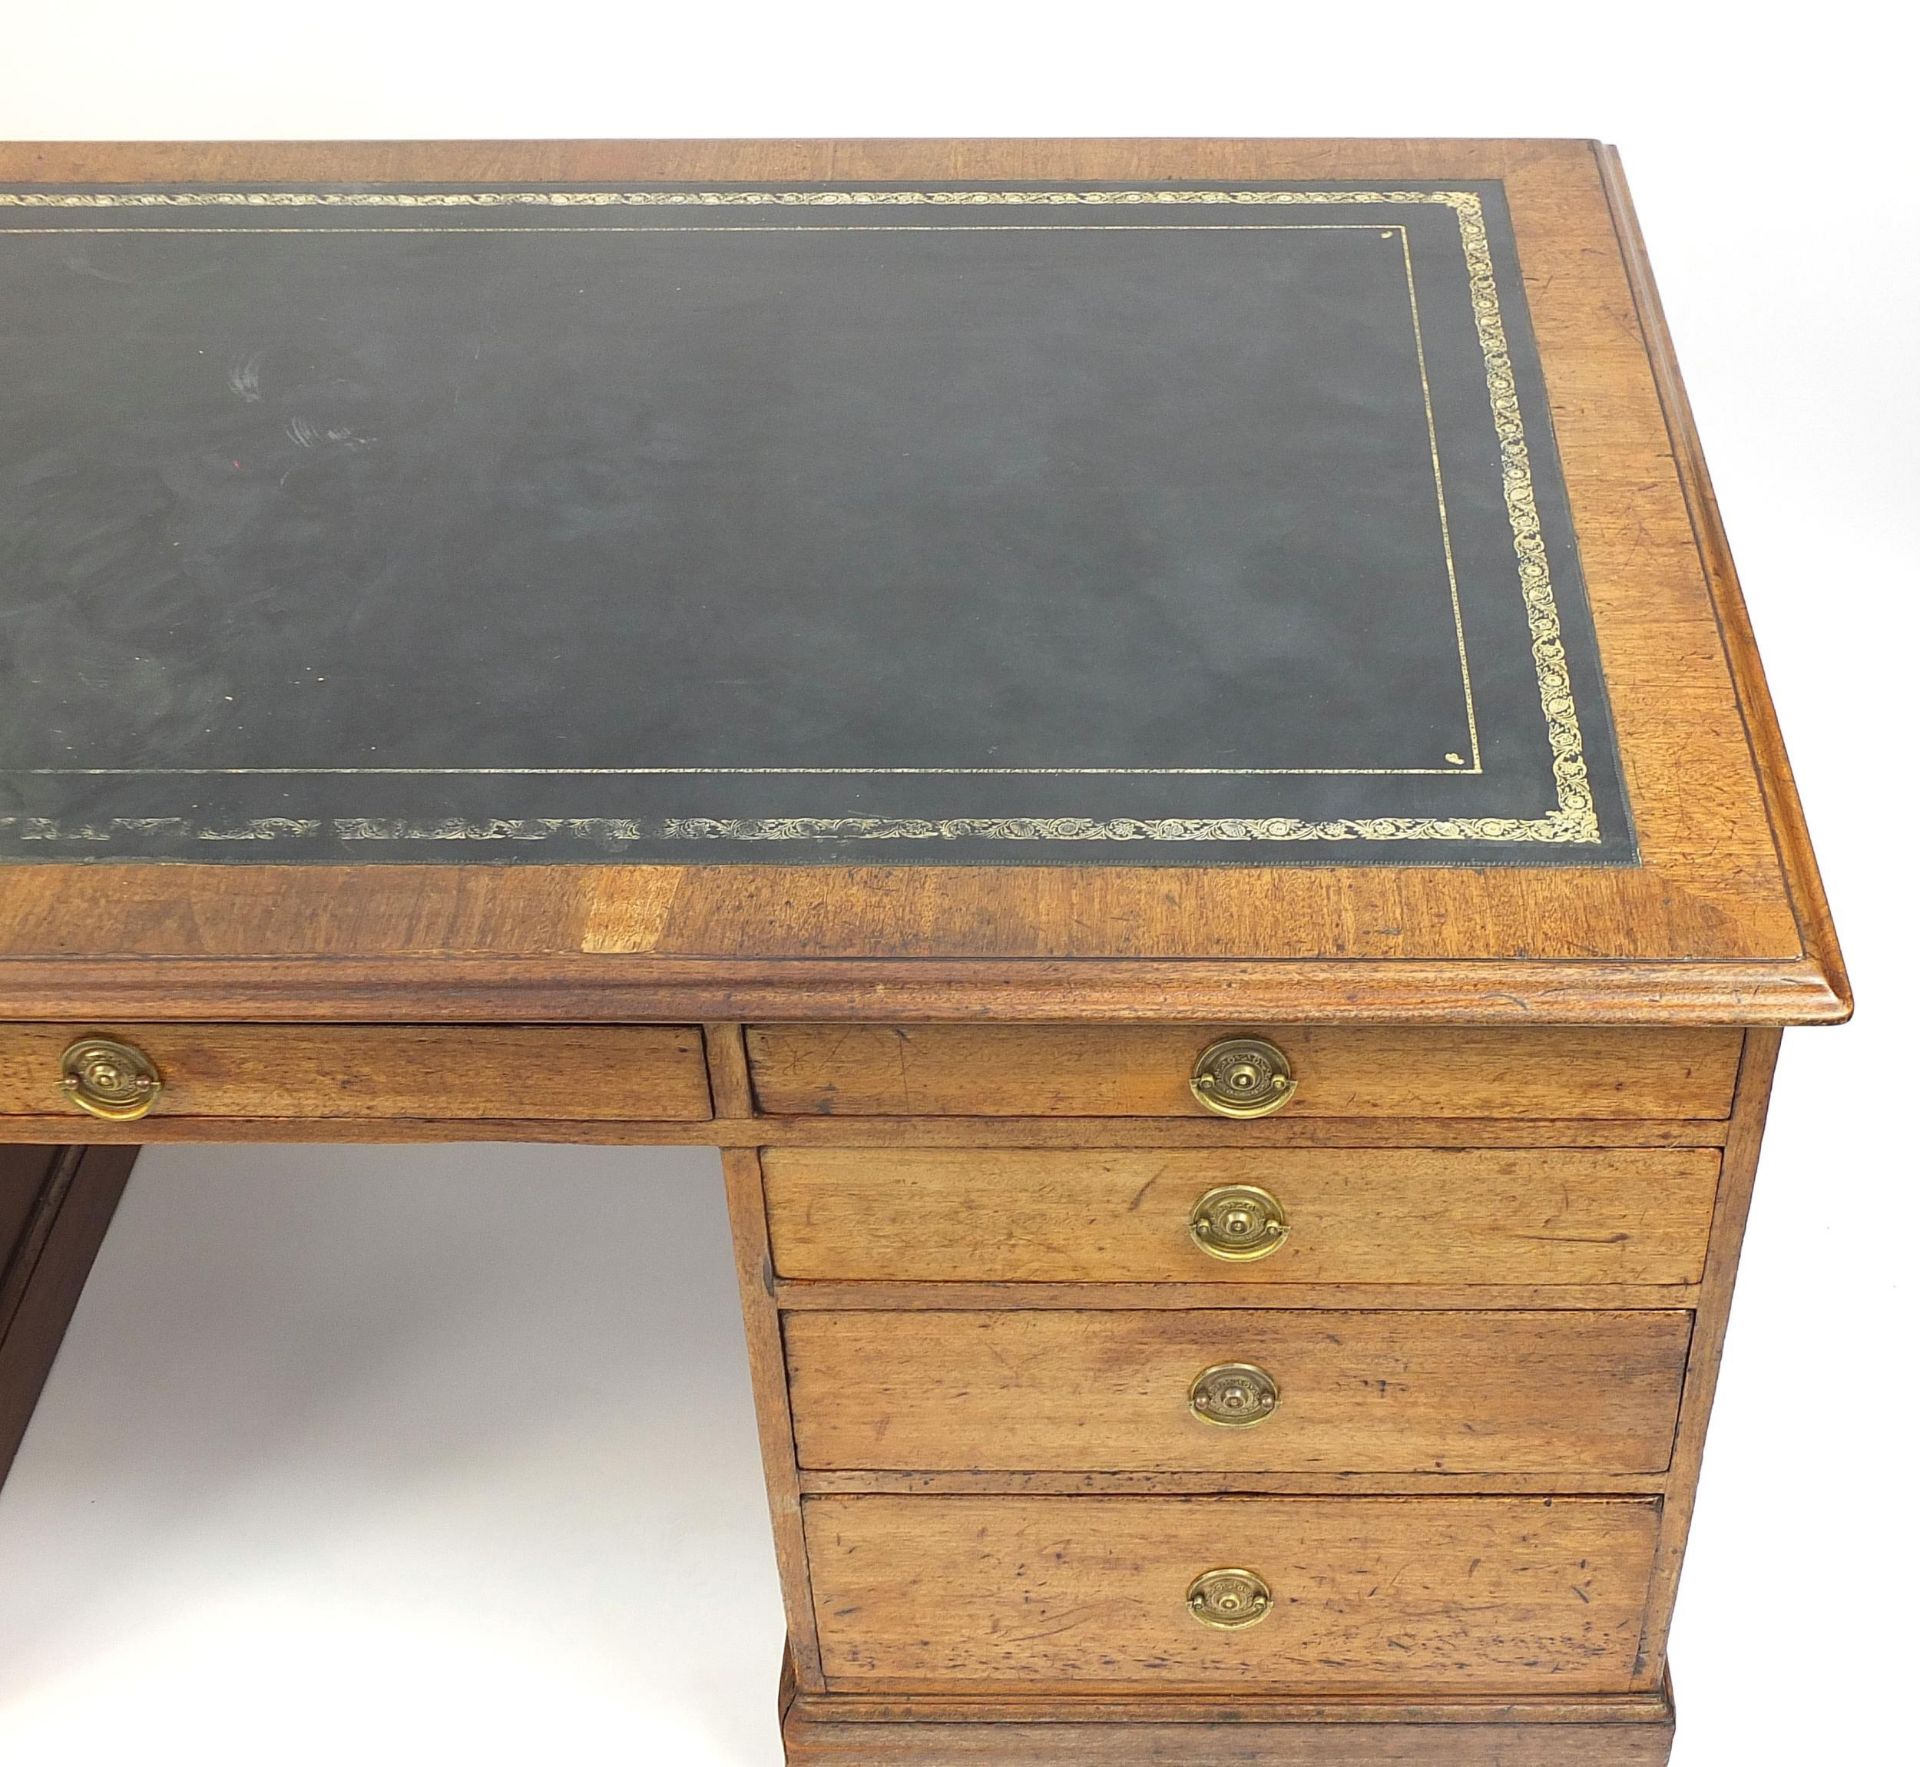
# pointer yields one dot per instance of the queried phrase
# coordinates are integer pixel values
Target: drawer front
(1147, 1071)
(1395, 1596)
(1551, 1216)
(316, 1072)
(1241, 1390)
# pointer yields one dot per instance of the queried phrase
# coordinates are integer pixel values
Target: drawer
(1147, 1071)
(320, 1072)
(1394, 1596)
(1551, 1216)
(1239, 1390)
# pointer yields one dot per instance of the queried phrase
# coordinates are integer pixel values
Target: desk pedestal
(56, 1204)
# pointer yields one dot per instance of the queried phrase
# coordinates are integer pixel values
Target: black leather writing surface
(1050, 525)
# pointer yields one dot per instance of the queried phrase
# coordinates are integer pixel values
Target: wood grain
(1372, 1595)
(326, 1072)
(344, 988)
(1532, 1216)
(1228, 1742)
(1703, 1365)
(754, 1268)
(727, 1077)
(1711, 926)
(855, 1132)
(1052, 1743)
(1143, 1070)
(1801, 871)
(1567, 1392)
(1012, 1730)
(1390, 1297)
(1012, 1705)
(1232, 1484)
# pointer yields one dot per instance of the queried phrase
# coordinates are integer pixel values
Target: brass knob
(1242, 1077)
(1238, 1222)
(1235, 1395)
(1228, 1600)
(108, 1079)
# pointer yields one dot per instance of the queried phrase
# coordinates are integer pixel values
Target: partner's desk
(1157, 740)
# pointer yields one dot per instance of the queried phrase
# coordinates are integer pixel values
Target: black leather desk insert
(1063, 525)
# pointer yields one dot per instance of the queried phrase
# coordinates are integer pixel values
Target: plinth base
(866, 1730)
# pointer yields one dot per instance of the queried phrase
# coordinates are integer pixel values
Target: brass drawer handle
(1235, 1395)
(1238, 1222)
(110, 1080)
(1229, 1599)
(1243, 1077)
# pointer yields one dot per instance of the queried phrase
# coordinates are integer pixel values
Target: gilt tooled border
(1572, 820)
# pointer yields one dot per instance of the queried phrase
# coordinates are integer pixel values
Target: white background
(446, 1454)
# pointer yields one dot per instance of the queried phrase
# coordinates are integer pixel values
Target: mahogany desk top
(290, 417)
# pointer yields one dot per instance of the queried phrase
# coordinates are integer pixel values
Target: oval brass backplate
(1242, 1077)
(1238, 1222)
(113, 1081)
(1229, 1599)
(1235, 1395)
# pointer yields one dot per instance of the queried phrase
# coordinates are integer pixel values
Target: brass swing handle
(1238, 1223)
(1229, 1599)
(1243, 1077)
(113, 1081)
(1235, 1395)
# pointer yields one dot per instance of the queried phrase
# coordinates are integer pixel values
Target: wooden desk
(1158, 742)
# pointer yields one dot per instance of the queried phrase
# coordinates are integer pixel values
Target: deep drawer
(1147, 1070)
(316, 1072)
(1375, 1215)
(1244, 1390)
(1399, 1596)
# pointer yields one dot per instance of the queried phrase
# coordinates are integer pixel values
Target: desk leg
(55, 1206)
